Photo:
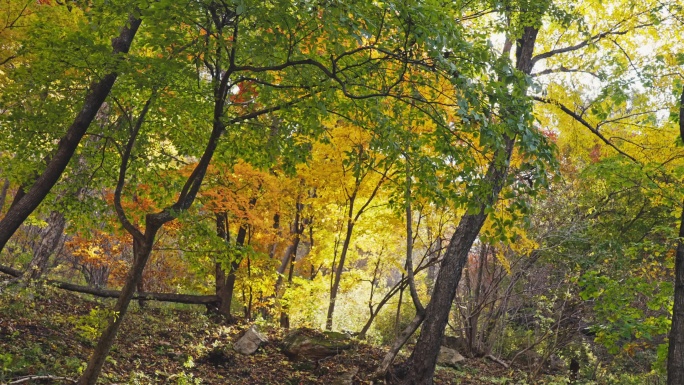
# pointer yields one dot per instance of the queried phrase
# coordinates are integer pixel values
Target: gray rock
(457, 343)
(301, 344)
(529, 359)
(346, 378)
(449, 357)
(249, 342)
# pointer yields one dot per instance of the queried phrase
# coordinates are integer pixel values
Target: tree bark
(424, 357)
(142, 248)
(50, 240)
(409, 242)
(225, 280)
(675, 358)
(340, 268)
(298, 227)
(98, 92)
(382, 370)
(421, 363)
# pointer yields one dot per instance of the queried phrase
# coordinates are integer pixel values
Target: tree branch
(125, 157)
(586, 124)
(585, 43)
(105, 293)
(562, 69)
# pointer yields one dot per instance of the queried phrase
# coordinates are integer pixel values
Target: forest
(341, 192)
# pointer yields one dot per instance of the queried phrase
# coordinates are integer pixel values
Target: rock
(249, 342)
(346, 378)
(457, 343)
(312, 345)
(449, 357)
(555, 364)
(529, 359)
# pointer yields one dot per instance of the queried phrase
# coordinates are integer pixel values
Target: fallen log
(106, 293)
(39, 378)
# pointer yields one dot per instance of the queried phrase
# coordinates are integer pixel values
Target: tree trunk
(142, 248)
(98, 92)
(289, 259)
(284, 313)
(397, 314)
(475, 306)
(221, 287)
(50, 240)
(675, 359)
(421, 364)
(397, 344)
(143, 242)
(424, 357)
(409, 242)
(351, 220)
(225, 280)
(340, 267)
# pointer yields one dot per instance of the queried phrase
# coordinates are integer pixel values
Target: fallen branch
(497, 360)
(10, 271)
(31, 378)
(105, 293)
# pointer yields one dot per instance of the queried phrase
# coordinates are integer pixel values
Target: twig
(48, 377)
(497, 360)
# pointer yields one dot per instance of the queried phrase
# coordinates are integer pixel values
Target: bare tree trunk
(475, 306)
(220, 273)
(397, 314)
(340, 265)
(142, 249)
(675, 359)
(409, 242)
(225, 280)
(424, 357)
(51, 237)
(373, 312)
(398, 343)
(296, 231)
(284, 316)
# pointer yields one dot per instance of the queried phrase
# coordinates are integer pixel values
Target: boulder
(457, 343)
(529, 359)
(346, 378)
(312, 345)
(449, 357)
(249, 342)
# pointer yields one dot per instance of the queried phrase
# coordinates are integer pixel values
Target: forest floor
(51, 332)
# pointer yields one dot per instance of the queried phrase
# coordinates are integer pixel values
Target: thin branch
(562, 69)
(121, 214)
(21, 380)
(585, 43)
(586, 124)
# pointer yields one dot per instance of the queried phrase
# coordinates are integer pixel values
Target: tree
(233, 54)
(675, 358)
(361, 165)
(421, 364)
(26, 202)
